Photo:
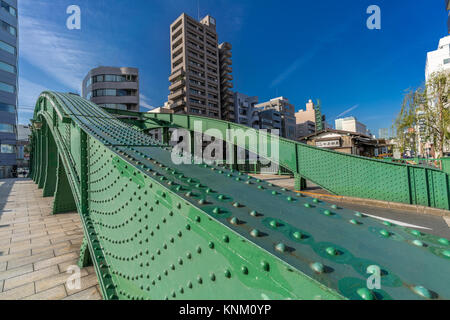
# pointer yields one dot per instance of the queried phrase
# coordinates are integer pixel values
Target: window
(7, 87)
(7, 108)
(8, 28)
(7, 148)
(7, 128)
(11, 10)
(8, 48)
(113, 78)
(7, 67)
(446, 61)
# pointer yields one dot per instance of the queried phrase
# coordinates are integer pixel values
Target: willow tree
(436, 112)
(407, 120)
(425, 113)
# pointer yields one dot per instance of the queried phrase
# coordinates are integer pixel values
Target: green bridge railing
(339, 173)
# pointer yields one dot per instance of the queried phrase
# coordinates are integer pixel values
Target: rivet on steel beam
(255, 233)
(307, 205)
(422, 291)
(254, 213)
(318, 267)
(280, 247)
(331, 251)
(298, 235)
(265, 265)
(365, 294)
(418, 243)
(355, 222)
(227, 274)
(234, 221)
(226, 238)
(273, 224)
(444, 241)
(385, 233)
(416, 233)
(244, 270)
(327, 212)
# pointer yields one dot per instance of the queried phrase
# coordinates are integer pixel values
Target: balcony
(227, 84)
(225, 61)
(177, 94)
(224, 71)
(197, 94)
(177, 84)
(176, 74)
(226, 77)
(211, 55)
(225, 46)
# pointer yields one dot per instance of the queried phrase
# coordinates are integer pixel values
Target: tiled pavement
(36, 247)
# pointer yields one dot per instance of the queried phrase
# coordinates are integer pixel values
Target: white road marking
(403, 224)
(447, 219)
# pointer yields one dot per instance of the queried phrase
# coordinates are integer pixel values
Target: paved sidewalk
(36, 247)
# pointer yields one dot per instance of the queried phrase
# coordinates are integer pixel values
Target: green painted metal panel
(155, 230)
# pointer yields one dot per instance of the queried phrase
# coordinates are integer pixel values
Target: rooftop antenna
(198, 10)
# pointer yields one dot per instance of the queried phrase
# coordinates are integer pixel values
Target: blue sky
(297, 49)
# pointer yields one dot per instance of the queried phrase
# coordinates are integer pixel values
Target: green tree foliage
(425, 112)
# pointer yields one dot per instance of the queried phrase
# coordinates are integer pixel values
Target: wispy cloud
(309, 55)
(294, 66)
(348, 111)
(145, 102)
(58, 54)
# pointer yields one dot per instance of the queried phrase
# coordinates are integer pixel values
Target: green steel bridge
(156, 230)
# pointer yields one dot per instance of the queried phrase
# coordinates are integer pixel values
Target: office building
(200, 69)
(244, 109)
(112, 87)
(23, 141)
(306, 120)
(8, 88)
(278, 113)
(383, 133)
(351, 124)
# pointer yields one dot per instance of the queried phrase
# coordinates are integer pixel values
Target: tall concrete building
(112, 87)
(439, 59)
(351, 124)
(200, 69)
(282, 108)
(244, 109)
(306, 120)
(8, 87)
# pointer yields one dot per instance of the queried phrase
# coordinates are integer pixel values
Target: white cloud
(57, 52)
(145, 102)
(348, 110)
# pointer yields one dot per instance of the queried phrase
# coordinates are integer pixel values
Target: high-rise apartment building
(8, 87)
(200, 69)
(279, 108)
(244, 109)
(112, 87)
